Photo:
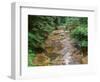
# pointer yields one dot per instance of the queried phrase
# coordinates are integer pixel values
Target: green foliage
(72, 21)
(80, 33)
(30, 59)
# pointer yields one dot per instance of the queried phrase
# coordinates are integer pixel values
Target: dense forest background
(39, 27)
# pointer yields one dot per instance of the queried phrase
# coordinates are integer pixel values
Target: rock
(85, 60)
(41, 60)
(59, 60)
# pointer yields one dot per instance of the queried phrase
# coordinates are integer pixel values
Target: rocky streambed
(60, 49)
